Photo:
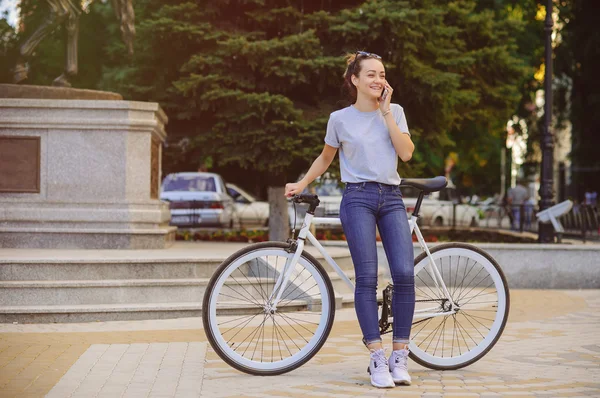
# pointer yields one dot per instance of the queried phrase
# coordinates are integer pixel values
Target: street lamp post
(545, 231)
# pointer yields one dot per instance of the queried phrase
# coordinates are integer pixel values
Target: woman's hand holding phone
(386, 97)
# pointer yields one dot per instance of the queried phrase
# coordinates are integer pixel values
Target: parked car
(437, 208)
(251, 212)
(198, 200)
(330, 194)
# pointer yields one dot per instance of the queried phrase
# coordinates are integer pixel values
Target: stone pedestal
(81, 174)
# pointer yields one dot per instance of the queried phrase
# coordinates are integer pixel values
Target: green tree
(237, 79)
(8, 43)
(456, 70)
(251, 83)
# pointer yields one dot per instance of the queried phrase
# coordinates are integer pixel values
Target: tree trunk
(279, 225)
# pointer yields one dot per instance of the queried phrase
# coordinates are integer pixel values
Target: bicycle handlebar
(305, 198)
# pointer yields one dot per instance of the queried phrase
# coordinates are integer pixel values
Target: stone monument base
(81, 173)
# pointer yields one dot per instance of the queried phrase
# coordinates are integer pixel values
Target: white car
(198, 200)
(437, 208)
(250, 211)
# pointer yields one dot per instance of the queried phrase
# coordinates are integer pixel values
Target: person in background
(516, 198)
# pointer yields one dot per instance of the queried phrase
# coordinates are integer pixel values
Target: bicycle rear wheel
(242, 328)
(478, 287)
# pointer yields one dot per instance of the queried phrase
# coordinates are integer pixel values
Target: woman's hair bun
(350, 57)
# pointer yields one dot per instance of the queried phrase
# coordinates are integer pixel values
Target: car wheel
(438, 222)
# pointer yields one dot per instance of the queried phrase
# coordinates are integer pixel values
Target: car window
(329, 190)
(448, 194)
(410, 192)
(189, 183)
(232, 192)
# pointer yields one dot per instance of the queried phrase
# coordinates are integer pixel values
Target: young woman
(371, 134)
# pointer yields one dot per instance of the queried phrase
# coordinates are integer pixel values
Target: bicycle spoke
(297, 286)
(433, 331)
(455, 278)
(251, 284)
(471, 282)
(273, 340)
(292, 340)
(474, 327)
(254, 303)
(240, 285)
(265, 296)
(417, 287)
(441, 337)
(296, 319)
(256, 332)
(280, 335)
(293, 328)
(465, 276)
(458, 327)
(423, 327)
(253, 333)
(250, 320)
(482, 290)
(233, 320)
(484, 294)
(453, 334)
(292, 319)
(474, 318)
(467, 332)
(476, 285)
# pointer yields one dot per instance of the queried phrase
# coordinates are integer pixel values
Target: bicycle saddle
(426, 185)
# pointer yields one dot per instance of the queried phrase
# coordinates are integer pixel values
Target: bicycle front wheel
(238, 319)
(479, 291)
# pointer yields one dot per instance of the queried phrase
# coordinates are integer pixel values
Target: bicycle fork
(442, 289)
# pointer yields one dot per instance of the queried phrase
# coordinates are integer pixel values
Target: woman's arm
(319, 166)
(401, 139)
(402, 143)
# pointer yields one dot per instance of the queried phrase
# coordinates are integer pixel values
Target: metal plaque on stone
(19, 164)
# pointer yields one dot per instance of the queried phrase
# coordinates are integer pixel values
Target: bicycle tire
(227, 353)
(445, 253)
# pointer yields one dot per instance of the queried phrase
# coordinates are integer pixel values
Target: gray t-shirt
(518, 195)
(366, 149)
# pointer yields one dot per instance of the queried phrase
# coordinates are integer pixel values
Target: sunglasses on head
(366, 54)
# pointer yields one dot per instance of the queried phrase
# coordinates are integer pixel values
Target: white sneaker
(379, 370)
(398, 365)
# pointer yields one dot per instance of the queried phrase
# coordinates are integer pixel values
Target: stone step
(87, 292)
(97, 312)
(77, 286)
(108, 269)
(99, 269)
(82, 292)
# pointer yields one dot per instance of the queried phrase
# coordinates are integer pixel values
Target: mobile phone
(383, 94)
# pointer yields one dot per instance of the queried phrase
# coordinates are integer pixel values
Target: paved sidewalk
(551, 347)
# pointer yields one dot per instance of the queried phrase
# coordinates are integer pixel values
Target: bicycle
(270, 307)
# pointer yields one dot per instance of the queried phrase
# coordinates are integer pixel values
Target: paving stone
(178, 362)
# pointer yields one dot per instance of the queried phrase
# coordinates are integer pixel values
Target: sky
(11, 7)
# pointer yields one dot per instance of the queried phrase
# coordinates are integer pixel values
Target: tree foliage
(251, 83)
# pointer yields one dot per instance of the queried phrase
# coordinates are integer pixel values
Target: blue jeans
(364, 206)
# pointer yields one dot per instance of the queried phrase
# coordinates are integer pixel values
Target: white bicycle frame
(305, 234)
